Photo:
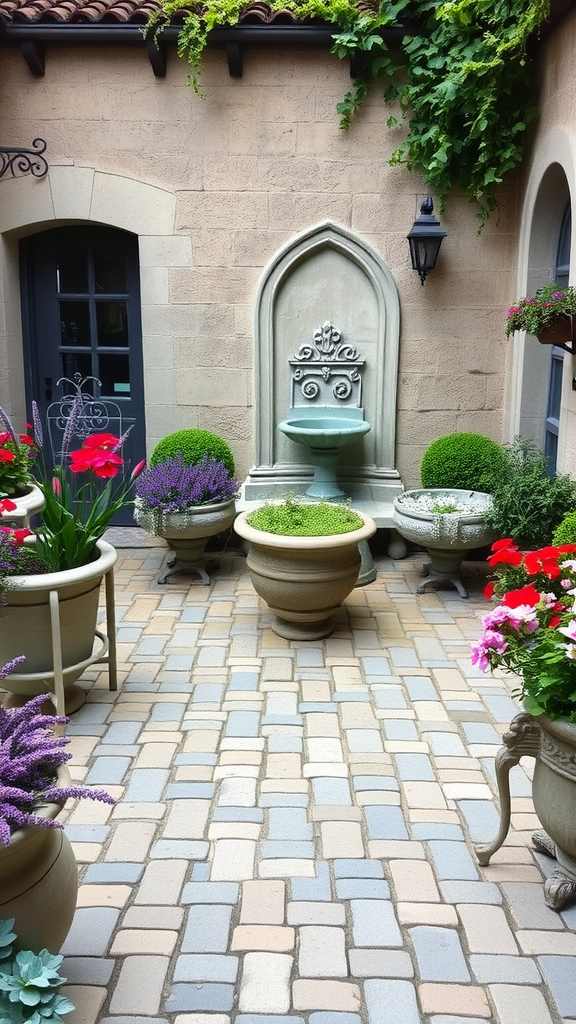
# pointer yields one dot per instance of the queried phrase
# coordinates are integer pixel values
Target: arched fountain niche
(325, 275)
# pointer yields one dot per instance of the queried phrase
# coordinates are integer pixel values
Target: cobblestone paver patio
(293, 837)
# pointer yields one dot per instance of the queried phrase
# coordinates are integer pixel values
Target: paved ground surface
(293, 837)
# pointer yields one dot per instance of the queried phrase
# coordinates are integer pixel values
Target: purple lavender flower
(38, 433)
(173, 486)
(30, 756)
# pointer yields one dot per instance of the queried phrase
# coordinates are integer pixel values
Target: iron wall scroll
(19, 160)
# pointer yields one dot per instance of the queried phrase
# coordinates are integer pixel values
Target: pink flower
(491, 642)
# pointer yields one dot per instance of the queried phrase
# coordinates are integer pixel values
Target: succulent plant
(29, 983)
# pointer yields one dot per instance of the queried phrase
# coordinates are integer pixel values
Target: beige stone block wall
(215, 187)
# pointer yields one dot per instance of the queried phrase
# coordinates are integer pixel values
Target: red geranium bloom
(525, 595)
(507, 542)
(510, 556)
(6, 505)
(19, 536)
(545, 560)
(102, 462)
(26, 439)
(6, 456)
(5, 436)
(554, 621)
(102, 441)
(489, 590)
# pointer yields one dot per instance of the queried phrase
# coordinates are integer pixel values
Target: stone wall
(248, 167)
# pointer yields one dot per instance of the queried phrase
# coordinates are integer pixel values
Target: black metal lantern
(425, 239)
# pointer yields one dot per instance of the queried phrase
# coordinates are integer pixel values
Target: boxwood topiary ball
(194, 445)
(468, 461)
(565, 533)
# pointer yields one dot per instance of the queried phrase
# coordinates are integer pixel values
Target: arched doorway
(81, 316)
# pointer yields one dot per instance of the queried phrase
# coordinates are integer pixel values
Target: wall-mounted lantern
(425, 239)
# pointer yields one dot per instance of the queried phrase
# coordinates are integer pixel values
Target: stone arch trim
(552, 180)
(325, 235)
(83, 194)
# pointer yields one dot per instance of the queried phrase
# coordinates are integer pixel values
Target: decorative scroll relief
(328, 370)
(558, 756)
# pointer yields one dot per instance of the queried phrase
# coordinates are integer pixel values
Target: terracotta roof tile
(125, 11)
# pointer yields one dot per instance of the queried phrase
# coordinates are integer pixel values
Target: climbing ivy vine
(459, 79)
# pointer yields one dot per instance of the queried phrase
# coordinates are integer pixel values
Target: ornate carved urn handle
(523, 738)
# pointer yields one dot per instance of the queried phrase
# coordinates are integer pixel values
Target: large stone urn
(303, 579)
(187, 533)
(51, 620)
(39, 881)
(448, 522)
(552, 742)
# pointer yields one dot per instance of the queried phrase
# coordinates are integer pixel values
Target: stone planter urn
(552, 742)
(303, 579)
(27, 504)
(39, 881)
(448, 523)
(187, 533)
(51, 619)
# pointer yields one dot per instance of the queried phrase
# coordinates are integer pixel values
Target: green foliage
(468, 461)
(29, 984)
(460, 77)
(565, 533)
(194, 444)
(298, 518)
(529, 504)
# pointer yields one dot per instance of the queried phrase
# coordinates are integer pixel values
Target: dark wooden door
(81, 306)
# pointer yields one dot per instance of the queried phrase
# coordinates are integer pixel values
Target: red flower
(544, 560)
(6, 436)
(6, 456)
(510, 556)
(525, 595)
(101, 461)
(102, 441)
(554, 621)
(489, 590)
(26, 439)
(6, 505)
(137, 469)
(507, 542)
(19, 536)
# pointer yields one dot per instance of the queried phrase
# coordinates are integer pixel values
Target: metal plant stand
(105, 654)
(526, 737)
(432, 576)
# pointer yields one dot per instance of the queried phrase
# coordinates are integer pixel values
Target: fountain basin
(325, 431)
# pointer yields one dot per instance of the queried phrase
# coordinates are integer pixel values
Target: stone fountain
(326, 413)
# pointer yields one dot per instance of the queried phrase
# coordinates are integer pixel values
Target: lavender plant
(30, 755)
(173, 486)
